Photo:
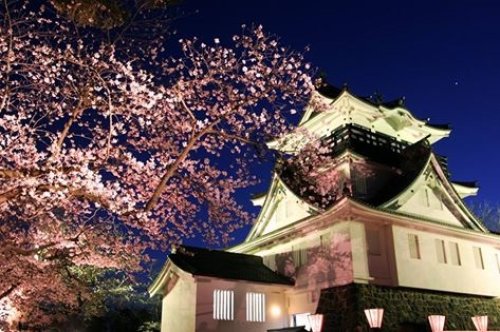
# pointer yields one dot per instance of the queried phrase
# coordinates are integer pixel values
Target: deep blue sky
(443, 56)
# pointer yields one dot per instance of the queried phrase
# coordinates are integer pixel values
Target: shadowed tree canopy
(107, 14)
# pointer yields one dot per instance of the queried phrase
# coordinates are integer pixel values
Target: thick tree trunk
(8, 291)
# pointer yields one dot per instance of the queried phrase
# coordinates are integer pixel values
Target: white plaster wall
(435, 209)
(428, 273)
(275, 298)
(288, 210)
(380, 254)
(329, 263)
(361, 274)
(179, 307)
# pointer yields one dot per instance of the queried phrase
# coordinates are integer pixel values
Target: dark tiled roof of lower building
(226, 265)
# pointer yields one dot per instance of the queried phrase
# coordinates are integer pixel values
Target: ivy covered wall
(405, 309)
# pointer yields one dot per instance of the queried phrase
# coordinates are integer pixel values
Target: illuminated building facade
(397, 235)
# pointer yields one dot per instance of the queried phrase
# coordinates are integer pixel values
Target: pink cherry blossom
(106, 155)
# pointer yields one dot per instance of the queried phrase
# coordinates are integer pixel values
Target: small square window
(223, 301)
(478, 257)
(455, 254)
(414, 246)
(441, 251)
(256, 307)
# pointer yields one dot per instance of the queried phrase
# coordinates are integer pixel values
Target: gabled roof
(225, 265)
(350, 209)
(447, 189)
(270, 201)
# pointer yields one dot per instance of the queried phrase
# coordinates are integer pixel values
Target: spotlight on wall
(276, 310)
(437, 323)
(316, 322)
(480, 322)
(374, 317)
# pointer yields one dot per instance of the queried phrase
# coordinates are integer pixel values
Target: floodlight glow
(437, 323)
(276, 311)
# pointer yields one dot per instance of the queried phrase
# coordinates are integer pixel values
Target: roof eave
(464, 191)
(161, 279)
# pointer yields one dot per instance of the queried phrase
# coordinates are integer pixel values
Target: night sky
(443, 56)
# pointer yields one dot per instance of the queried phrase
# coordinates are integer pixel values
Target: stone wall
(404, 309)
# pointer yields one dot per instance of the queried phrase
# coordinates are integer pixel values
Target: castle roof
(221, 264)
(331, 92)
(363, 135)
(332, 108)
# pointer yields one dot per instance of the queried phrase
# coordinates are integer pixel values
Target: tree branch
(9, 194)
(234, 137)
(9, 290)
(67, 126)
(173, 168)
(6, 96)
(187, 109)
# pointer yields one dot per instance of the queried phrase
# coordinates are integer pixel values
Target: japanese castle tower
(397, 236)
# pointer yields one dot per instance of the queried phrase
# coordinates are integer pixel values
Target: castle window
(325, 240)
(478, 257)
(360, 184)
(425, 197)
(299, 256)
(373, 242)
(256, 307)
(455, 254)
(441, 251)
(223, 302)
(414, 246)
(303, 256)
(296, 256)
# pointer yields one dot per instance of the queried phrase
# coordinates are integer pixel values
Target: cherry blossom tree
(313, 172)
(316, 173)
(488, 213)
(108, 152)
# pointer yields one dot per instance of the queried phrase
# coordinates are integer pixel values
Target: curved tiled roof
(329, 91)
(406, 162)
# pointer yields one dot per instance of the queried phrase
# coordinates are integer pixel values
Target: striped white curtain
(256, 307)
(223, 304)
